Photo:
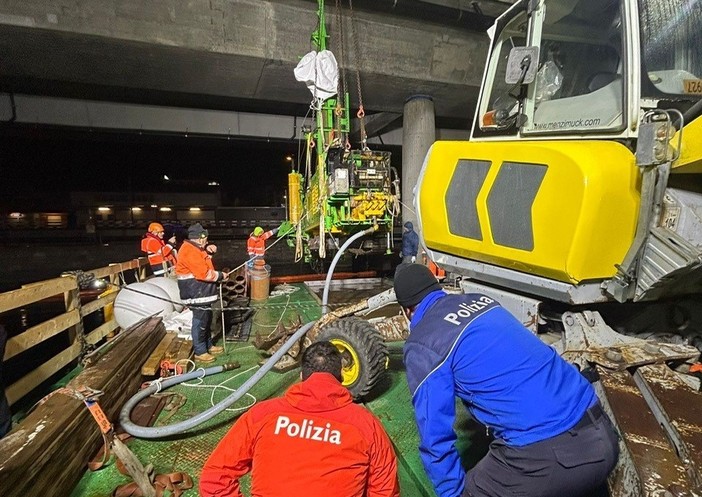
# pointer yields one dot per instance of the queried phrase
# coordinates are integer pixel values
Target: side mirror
(522, 65)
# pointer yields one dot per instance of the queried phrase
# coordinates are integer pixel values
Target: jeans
(200, 330)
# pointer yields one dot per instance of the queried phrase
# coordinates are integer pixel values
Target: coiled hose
(165, 431)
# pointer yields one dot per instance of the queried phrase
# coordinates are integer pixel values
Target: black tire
(357, 338)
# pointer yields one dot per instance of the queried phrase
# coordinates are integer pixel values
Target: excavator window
(579, 84)
(498, 98)
(671, 37)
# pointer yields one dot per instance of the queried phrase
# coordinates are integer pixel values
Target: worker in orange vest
(256, 245)
(162, 255)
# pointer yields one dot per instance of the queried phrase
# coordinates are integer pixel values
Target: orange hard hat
(155, 228)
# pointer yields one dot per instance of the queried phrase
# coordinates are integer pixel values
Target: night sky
(53, 162)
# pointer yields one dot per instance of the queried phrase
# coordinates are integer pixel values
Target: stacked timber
(48, 452)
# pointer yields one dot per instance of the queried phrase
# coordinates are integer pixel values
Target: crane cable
(361, 114)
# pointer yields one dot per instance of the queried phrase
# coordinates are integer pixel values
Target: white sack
(320, 72)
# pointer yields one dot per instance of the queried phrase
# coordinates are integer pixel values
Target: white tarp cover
(320, 72)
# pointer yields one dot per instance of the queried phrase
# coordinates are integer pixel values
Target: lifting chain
(341, 87)
(356, 49)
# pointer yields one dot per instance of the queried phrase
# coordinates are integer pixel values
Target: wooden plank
(98, 303)
(118, 267)
(35, 292)
(153, 363)
(30, 381)
(101, 332)
(41, 332)
(72, 302)
(172, 352)
(47, 453)
(185, 350)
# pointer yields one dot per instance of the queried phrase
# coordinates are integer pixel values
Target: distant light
(213, 183)
(165, 209)
(194, 209)
(165, 177)
(289, 158)
(154, 206)
(16, 215)
(136, 209)
(104, 209)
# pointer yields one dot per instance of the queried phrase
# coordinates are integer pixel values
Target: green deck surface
(187, 452)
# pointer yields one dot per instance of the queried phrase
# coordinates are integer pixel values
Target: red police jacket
(313, 441)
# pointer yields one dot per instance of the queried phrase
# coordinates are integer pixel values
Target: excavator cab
(577, 204)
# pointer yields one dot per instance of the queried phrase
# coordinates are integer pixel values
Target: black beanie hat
(412, 283)
(196, 231)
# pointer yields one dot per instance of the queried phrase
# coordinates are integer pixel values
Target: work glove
(211, 249)
(172, 240)
(275, 230)
(414, 259)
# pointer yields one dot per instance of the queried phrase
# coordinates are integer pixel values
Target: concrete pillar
(418, 134)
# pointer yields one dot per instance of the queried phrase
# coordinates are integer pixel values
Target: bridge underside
(243, 61)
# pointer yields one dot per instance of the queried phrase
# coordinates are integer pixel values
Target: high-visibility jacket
(313, 441)
(158, 252)
(197, 278)
(256, 245)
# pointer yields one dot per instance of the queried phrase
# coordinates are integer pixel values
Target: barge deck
(188, 452)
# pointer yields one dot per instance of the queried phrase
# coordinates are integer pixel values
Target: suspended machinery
(338, 191)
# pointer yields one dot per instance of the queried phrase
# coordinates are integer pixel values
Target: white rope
(214, 387)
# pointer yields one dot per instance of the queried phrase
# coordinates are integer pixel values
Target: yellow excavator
(577, 203)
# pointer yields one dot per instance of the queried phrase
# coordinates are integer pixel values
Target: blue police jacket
(471, 347)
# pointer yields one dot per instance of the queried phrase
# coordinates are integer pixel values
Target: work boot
(204, 358)
(215, 350)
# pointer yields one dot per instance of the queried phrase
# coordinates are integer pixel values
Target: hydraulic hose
(330, 273)
(165, 431)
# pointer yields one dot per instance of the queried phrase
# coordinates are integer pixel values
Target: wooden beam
(46, 454)
(35, 292)
(101, 332)
(153, 363)
(97, 304)
(41, 332)
(39, 375)
(117, 267)
(72, 301)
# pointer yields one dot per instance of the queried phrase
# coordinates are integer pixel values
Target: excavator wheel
(363, 351)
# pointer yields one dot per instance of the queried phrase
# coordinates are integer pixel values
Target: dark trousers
(200, 330)
(571, 464)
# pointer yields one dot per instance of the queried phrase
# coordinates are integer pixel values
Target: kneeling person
(313, 441)
(552, 438)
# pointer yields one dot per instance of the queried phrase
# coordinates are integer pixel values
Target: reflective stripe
(185, 277)
(159, 272)
(200, 300)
